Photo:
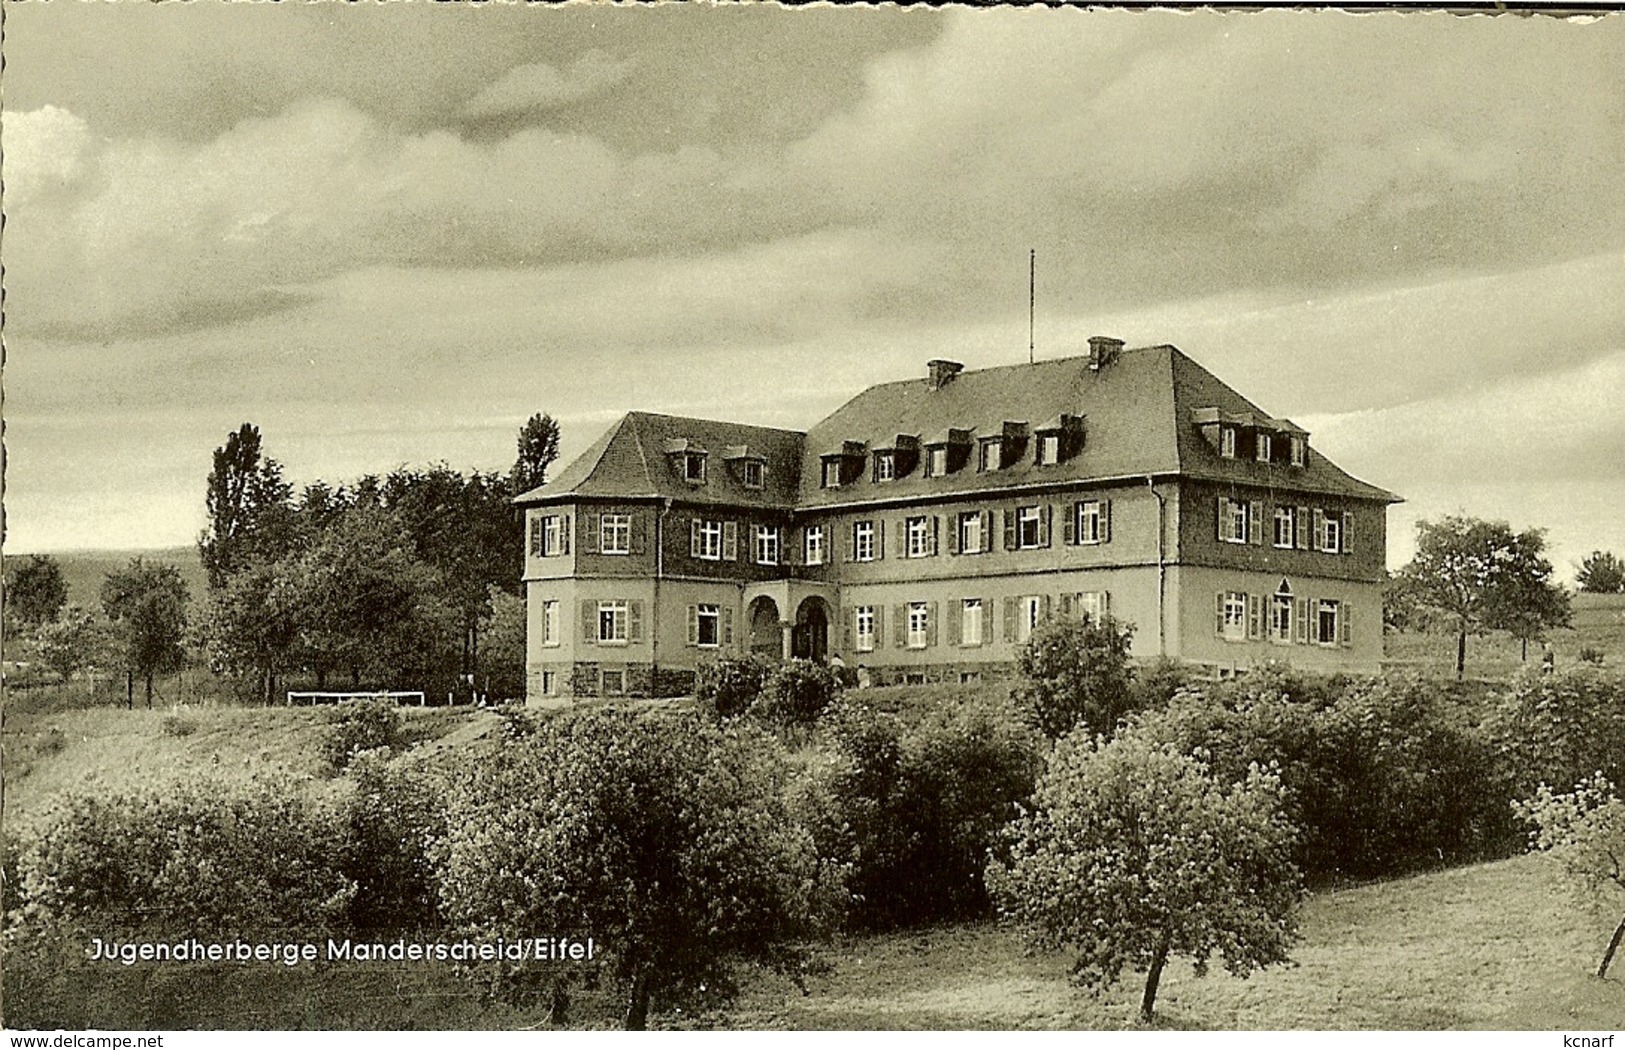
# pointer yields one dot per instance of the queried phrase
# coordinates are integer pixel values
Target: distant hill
(85, 570)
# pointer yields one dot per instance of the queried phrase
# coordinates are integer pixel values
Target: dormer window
(991, 451)
(752, 472)
(1227, 442)
(885, 465)
(1299, 450)
(1049, 449)
(1265, 442)
(694, 467)
(832, 474)
(936, 461)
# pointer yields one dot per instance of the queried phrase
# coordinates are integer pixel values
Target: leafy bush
(388, 823)
(178, 725)
(1560, 728)
(1157, 681)
(193, 859)
(797, 692)
(1135, 852)
(50, 742)
(732, 684)
(669, 840)
(1075, 672)
(361, 725)
(923, 806)
(1591, 655)
(1584, 831)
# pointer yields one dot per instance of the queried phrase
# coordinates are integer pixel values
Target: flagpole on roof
(1032, 290)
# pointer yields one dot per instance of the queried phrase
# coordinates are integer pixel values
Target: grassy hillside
(84, 570)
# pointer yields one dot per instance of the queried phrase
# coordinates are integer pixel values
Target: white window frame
(936, 461)
(710, 540)
(619, 615)
(1088, 523)
(1029, 608)
(1263, 446)
(830, 474)
(1096, 604)
(753, 473)
(694, 467)
(970, 525)
(886, 466)
(918, 533)
(1322, 608)
(711, 614)
(1299, 453)
(813, 542)
(1282, 609)
(615, 534)
(863, 541)
(552, 535)
(919, 624)
(604, 680)
(551, 622)
(1235, 521)
(1227, 442)
(1287, 518)
(1331, 532)
(550, 683)
(1235, 616)
(972, 621)
(1026, 516)
(767, 545)
(990, 454)
(1049, 449)
(863, 628)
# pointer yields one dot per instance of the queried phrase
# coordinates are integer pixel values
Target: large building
(925, 528)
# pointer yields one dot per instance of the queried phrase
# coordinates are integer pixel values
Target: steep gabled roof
(634, 459)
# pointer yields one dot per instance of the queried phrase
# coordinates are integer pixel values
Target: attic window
(936, 461)
(992, 450)
(694, 467)
(832, 473)
(1265, 442)
(1299, 450)
(1227, 442)
(751, 472)
(885, 465)
(1049, 448)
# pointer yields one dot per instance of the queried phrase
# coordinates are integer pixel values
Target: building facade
(926, 527)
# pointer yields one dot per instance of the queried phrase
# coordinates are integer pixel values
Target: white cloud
(537, 87)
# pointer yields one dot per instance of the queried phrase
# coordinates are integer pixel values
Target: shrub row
(788, 693)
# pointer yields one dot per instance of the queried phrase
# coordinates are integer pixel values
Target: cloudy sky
(388, 234)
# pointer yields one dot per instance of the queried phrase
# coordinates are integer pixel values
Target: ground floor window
(919, 621)
(708, 625)
(863, 628)
(612, 683)
(1029, 609)
(970, 622)
(1329, 617)
(550, 683)
(1233, 616)
(1281, 617)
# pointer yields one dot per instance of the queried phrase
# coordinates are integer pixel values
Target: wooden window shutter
(900, 536)
(1105, 521)
(953, 535)
(936, 534)
(1348, 532)
(880, 538)
(640, 532)
(564, 534)
(1010, 614)
(634, 621)
(1303, 621)
(1069, 527)
(899, 627)
(1345, 632)
(849, 616)
(1222, 512)
(694, 538)
(1255, 614)
(536, 538)
(1255, 522)
(1218, 615)
(1068, 606)
(1043, 525)
(1043, 608)
(589, 622)
(590, 534)
(1009, 517)
(956, 632)
(852, 542)
(931, 624)
(987, 532)
(1300, 521)
(880, 626)
(693, 625)
(727, 626)
(1320, 528)
(1105, 603)
(730, 541)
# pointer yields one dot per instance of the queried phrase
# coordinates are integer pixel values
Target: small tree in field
(146, 605)
(35, 593)
(1134, 853)
(1076, 672)
(1584, 831)
(1602, 572)
(669, 840)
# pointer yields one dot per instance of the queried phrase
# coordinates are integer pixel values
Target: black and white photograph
(562, 518)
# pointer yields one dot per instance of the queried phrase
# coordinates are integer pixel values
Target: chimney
(1103, 349)
(942, 372)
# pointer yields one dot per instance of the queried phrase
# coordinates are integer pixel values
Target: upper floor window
(1264, 447)
(767, 544)
(1331, 532)
(1238, 520)
(694, 467)
(863, 541)
(863, 628)
(752, 471)
(1090, 522)
(1049, 449)
(885, 465)
(1227, 442)
(970, 622)
(814, 545)
(1285, 527)
(707, 540)
(831, 478)
(919, 624)
(991, 451)
(615, 533)
(1030, 527)
(612, 621)
(1298, 450)
(936, 461)
(922, 537)
(971, 540)
(549, 536)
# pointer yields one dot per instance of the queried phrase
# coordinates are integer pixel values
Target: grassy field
(1599, 624)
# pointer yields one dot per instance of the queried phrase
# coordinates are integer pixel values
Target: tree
(504, 647)
(1134, 853)
(248, 505)
(669, 840)
(1483, 576)
(250, 626)
(1602, 572)
(146, 605)
(35, 593)
(1076, 671)
(70, 642)
(538, 448)
(1584, 831)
